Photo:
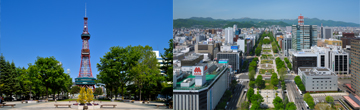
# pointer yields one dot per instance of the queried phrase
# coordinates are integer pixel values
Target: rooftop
(317, 71)
(210, 77)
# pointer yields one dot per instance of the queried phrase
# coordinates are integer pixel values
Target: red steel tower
(85, 77)
(301, 20)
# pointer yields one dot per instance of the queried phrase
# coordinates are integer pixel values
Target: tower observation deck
(85, 78)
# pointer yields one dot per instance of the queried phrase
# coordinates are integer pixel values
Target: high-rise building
(326, 33)
(286, 45)
(355, 68)
(229, 35)
(303, 36)
(233, 59)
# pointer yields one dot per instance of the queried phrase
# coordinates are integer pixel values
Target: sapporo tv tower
(85, 78)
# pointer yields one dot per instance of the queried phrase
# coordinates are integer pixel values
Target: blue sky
(337, 10)
(31, 28)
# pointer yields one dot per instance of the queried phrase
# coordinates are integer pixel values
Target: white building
(318, 79)
(229, 35)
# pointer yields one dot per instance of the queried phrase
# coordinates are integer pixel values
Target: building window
(330, 81)
(330, 87)
(325, 87)
(321, 88)
(325, 84)
(313, 81)
(317, 81)
(313, 84)
(321, 81)
(325, 81)
(313, 87)
(317, 87)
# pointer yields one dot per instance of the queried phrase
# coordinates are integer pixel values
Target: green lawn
(266, 50)
(262, 71)
(266, 61)
(268, 85)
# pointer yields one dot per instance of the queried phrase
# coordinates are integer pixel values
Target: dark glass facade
(303, 62)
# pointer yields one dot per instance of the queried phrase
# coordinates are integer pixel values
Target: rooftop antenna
(85, 9)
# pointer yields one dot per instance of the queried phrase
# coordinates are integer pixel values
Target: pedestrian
(0, 100)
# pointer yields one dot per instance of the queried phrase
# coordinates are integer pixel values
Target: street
(295, 96)
(238, 93)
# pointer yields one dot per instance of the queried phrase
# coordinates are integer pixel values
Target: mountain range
(251, 22)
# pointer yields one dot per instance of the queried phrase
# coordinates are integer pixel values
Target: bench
(160, 106)
(62, 105)
(146, 102)
(12, 105)
(108, 105)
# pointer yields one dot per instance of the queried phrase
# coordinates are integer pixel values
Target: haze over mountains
(247, 22)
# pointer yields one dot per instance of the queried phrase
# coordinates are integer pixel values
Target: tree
(146, 71)
(253, 64)
(282, 73)
(75, 90)
(250, 93)
(329, 99)
(255, 106)
(168, 61)
(252, 75)
(283, 87)
(274, 79)
(278, 104)
(50, 73)
(259, 82)
(8, 77)
(252, 84)
(89, 95)
(82, 96)
(290, 106)
(98, 91)
(114, 67)
(245, 105)
(233, 83)
(309, 100)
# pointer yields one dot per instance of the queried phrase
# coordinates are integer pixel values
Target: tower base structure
(85, 82)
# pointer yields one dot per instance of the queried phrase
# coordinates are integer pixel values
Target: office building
(302, 59)
(355, 68)
(286, 45)
(233, 59)
(326, 33)
(318, 79)
(203, 88)
(346, 39)
(209, 48)
(303, 36)
(229, 35)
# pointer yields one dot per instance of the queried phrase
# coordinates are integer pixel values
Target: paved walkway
(329, 94)
(50, 106)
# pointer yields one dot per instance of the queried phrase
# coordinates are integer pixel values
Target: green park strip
(266, 61)
(263, 71)
(268, 85)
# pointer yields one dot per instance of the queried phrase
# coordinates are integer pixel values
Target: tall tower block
(301, 20)
(85, 78)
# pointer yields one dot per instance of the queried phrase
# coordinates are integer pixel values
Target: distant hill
(218, 23)
(249, 22)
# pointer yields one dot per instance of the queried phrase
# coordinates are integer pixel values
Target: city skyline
(53, 28)
(272, 10)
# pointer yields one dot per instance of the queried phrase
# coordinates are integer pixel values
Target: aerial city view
(58, 55)
(266, 55)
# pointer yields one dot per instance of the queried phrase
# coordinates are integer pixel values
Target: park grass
(262, 71)
(266, 50)
(268, 85)
(266, 61)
